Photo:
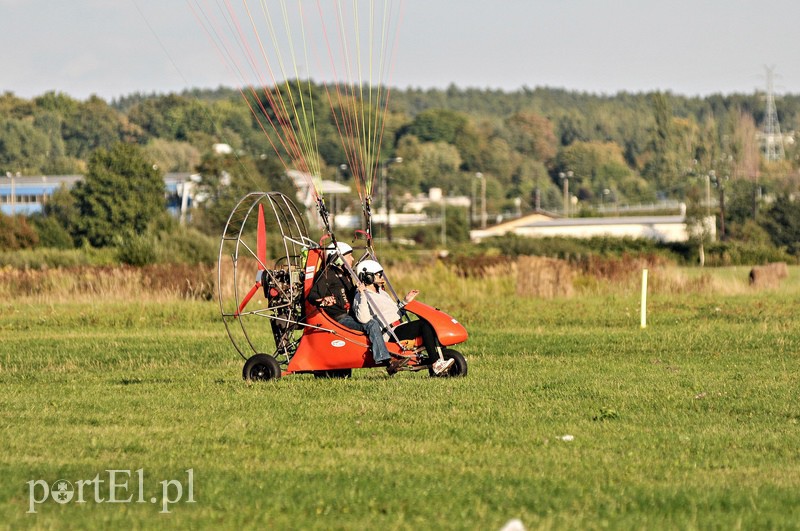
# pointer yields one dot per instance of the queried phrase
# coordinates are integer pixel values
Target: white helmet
(367, 270)
(336, 252)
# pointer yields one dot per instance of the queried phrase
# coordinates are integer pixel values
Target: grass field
(691, 423)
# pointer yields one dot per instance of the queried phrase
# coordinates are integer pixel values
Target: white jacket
(386, 308)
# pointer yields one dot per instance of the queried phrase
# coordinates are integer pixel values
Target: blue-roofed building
(26, 195)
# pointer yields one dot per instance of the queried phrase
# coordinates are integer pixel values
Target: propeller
(261, 253)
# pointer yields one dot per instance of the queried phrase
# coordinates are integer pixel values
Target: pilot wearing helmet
(334, 289)
(333, 292)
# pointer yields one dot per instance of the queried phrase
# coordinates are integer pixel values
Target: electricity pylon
(771, 138)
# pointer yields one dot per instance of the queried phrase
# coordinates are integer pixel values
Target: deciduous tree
(121, 194)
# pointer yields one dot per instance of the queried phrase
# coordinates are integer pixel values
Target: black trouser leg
(415, 329)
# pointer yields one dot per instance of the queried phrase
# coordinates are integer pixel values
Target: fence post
(644, 298)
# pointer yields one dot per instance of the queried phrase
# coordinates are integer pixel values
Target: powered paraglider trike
(267, 265)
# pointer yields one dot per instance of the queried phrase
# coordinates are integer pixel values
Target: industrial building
(27, 195)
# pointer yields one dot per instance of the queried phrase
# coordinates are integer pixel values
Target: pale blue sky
(691, 47)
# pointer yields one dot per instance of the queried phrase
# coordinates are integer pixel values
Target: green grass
(693, 422)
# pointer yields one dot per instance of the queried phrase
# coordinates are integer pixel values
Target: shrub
(136, 250)
(16, 233)
(186, 246)
(739, 253)
(51, 232)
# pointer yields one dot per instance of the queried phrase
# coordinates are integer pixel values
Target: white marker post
(644, 298)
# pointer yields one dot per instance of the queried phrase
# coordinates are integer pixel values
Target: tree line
(616, 149)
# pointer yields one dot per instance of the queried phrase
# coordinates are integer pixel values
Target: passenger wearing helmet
(372, 303)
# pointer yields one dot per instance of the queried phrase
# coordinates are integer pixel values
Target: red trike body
(327, 345)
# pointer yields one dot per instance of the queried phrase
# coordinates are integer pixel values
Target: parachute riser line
(323, 214)
(367, 204)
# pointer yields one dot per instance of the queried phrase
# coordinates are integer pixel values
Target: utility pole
(472, 202)
(721, 184)
(480, 177)
(386, 200)
(756, 198)
(483, 202)
(565, 178)
(13, 193)
(444, 222)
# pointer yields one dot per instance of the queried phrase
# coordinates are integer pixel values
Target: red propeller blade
(247, 297)
(261, 253)
(261, 238)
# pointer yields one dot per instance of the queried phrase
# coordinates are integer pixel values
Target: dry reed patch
(769, 275)
(484, 266)
(674, 280)
(185, 281)
(109, 283)
(544, 277)
(671, 279)
(618, 269)
(550, 278)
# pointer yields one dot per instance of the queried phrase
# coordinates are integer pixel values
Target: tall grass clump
(48, 257)
(126, 283)
(471, 285)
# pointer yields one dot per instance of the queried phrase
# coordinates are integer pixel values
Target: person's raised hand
(411, 295)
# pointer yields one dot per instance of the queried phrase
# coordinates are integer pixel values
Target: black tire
(458, 369)
(334, 373)
(261, 367)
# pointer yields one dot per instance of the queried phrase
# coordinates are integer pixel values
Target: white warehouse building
(660, 228)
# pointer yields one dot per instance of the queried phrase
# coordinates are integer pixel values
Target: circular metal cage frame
(275, 292)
